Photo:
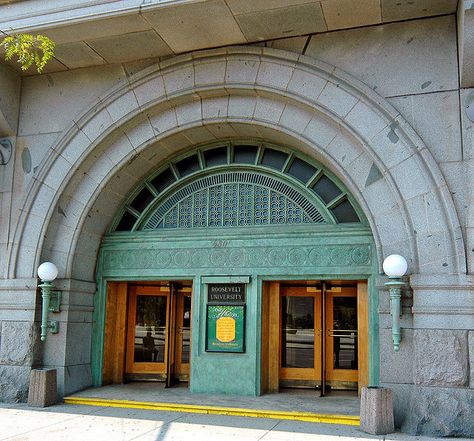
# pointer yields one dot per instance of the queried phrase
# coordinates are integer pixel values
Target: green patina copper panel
(280, 254)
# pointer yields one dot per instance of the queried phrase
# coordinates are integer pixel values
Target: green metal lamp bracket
(51, 302)
(55, 301)
(395, 289)
(53, 326)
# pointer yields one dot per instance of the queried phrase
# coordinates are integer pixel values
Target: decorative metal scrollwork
(231, 200)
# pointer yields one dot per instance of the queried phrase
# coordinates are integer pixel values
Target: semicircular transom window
(237, 185)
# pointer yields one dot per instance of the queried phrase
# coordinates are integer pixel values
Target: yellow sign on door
(225, 329)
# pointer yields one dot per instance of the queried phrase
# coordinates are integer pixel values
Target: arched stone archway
(227, 93)
(274, 97)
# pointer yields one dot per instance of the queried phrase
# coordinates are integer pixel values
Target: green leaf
(29, 49)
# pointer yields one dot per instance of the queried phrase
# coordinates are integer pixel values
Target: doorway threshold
(290, 404)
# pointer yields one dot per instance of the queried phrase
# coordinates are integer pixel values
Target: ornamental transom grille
(237, 184)
(233, 200)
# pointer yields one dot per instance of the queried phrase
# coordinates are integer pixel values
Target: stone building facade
(379, 98)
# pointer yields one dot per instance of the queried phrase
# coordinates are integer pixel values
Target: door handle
(351, 333)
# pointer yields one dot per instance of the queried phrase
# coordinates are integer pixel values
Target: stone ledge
(18, 284)
(442, 281)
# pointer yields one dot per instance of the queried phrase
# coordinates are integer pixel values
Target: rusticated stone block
(43, 388)
(18, 340)
(376, 411)
(14, 383)
(440, 412)
(441, 357)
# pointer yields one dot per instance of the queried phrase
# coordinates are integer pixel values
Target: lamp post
(48, 272)
(395, 267)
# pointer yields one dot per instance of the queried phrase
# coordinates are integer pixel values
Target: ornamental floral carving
(239, 257)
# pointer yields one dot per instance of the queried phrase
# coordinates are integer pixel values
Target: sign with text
(226, 293)
(225, 328)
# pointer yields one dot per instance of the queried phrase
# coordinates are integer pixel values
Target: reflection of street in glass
(149, 344)
(300, 349)
(148, 347)
(298, 335)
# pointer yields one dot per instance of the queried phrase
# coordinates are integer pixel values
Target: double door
(319, 337)
(314, 334)
(159, 333)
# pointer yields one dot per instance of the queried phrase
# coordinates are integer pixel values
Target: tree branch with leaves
(29, 49)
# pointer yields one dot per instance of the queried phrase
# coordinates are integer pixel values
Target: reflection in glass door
(300, 340)
(150, 327)
(183, 334)
(147, 341)
(341, 337)
(159, 332)
(306, 353)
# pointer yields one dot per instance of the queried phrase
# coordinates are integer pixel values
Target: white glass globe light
(47, 271)
(395, 265)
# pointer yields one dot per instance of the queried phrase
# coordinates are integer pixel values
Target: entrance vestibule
(249, 213)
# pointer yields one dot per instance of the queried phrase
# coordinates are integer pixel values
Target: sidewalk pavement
(66, 422)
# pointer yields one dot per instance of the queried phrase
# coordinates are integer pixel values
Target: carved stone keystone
(43, 388)
(376, 411)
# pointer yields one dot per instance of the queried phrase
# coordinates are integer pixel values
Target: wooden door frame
(335, 375)
(118, 328)
(182, 368)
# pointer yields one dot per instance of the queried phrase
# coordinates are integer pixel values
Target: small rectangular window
(142, 200)
(301, 170)
(326, 189)
(245, 154)
(127, 222)
(274, 158)
(216, 156)
(188, 165)
(344, 212)
(163, 180)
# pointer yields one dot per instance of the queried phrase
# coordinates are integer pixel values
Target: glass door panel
(344, 332)
(150, 329)
(186, 330)
(159, 332)
(341, 337)
(297, 336)
(183, 334)
(300, 336)
(147, 340)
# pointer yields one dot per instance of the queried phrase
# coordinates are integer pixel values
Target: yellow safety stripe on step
(349, 420)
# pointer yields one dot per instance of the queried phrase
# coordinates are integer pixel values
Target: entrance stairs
(290, 404)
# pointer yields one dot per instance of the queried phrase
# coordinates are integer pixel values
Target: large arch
(236, 93)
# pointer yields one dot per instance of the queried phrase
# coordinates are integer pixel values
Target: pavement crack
(270, 430)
